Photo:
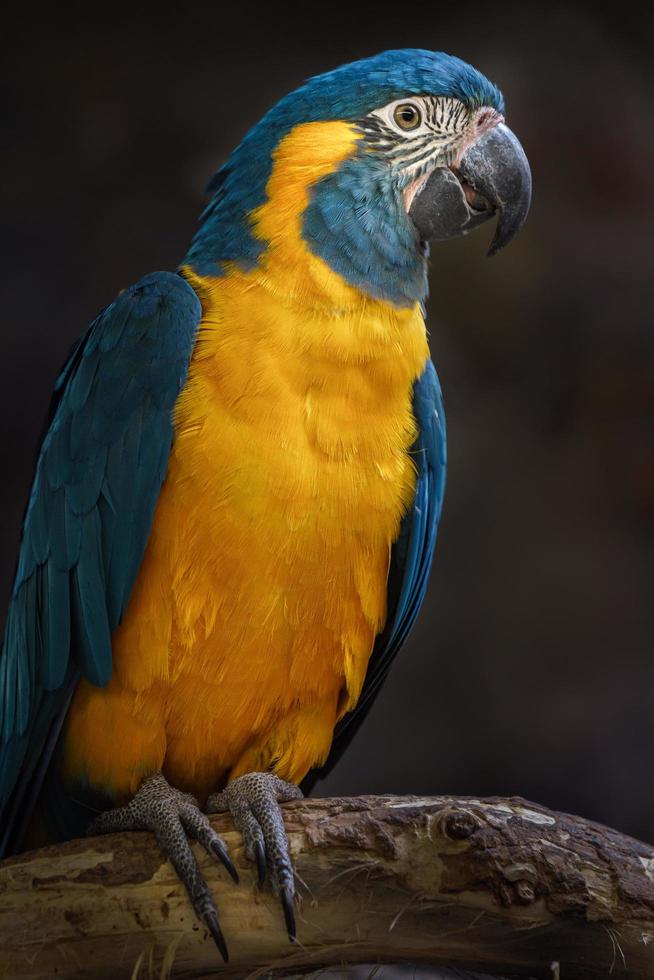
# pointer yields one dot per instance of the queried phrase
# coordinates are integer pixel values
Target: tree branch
(503, 886)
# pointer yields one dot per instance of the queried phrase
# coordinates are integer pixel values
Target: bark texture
(502, 886)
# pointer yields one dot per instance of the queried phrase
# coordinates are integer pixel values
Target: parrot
(234, 507)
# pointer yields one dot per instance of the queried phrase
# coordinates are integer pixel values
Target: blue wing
(411, 558)
(98, 476)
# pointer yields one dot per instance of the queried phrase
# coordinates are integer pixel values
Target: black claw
(260, 858)
(220, 852)
(211, 922)
(286, 898)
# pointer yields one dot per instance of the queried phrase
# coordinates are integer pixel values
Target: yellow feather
(264, 582)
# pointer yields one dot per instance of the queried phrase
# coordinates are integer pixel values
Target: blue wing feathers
(7, 679)
(93, 649)
(25, 758)
(55, 600)
(97, 481)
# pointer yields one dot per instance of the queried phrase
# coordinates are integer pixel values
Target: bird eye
(407, 116)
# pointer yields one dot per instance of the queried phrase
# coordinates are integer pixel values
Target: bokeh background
(531, 670)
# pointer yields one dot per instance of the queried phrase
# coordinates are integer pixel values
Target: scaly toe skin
(198, 827)
(253, 800)
(173, 816)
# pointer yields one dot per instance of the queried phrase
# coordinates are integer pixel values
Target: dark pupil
(408, 114)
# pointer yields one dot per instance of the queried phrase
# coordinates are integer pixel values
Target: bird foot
(253, 801)
(173, 817)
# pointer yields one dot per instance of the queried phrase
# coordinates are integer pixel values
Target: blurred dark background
(532, 668)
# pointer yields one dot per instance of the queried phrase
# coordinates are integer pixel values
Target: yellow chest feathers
(264, 582)
(293, 432)
(263, 586)
(291, 470)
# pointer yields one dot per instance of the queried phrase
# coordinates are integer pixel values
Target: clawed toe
(253, 800)
(173, 817)
(197, 826)
(286, 897)
(210, 919)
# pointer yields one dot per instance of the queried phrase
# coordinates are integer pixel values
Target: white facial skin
(420, 133)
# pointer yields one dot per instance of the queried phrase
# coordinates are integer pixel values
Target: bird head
(361, 168)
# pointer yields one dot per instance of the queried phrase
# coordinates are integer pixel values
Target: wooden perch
(503, 886)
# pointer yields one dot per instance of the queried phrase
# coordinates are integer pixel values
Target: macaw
(234, 508)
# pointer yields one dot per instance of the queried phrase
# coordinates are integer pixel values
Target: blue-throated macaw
(234, 509)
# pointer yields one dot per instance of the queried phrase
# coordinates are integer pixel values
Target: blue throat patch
(373, 246)
(357, 223)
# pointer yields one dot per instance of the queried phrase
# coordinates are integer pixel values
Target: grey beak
(493, 178)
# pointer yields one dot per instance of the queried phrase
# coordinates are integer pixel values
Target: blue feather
(82, 384)
(121, 474)
(8, 687)
(87, 478)
(97, 481)
(91, 632)
(380, 255)
(39, 539)
(56, 633)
